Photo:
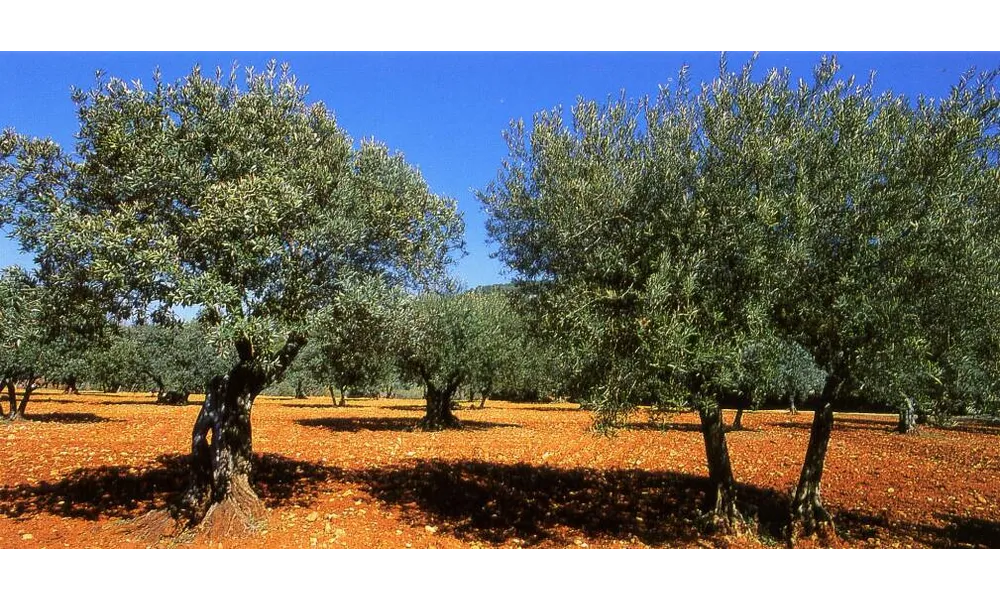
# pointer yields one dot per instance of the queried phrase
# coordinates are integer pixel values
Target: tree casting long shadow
(541, 505)
(68, 418)
(482, 501)
(123, 492)
(355, 424)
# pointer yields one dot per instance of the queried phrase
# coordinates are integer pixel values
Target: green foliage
(177, 358)
(353, 340)
(225, 193)
(759, 234)
(23, 354)
(448, 338)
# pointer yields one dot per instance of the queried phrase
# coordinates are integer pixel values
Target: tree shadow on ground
(89, 493)
(541, 505)
(845, 424)
(122, 492)
(150, 402)
(562, 408)
(407, 407)
(663, 426)
(68, 418)
(970, 425)
(957, 532)
(355, 424)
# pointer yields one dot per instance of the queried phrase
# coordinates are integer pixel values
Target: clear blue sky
(444, 111)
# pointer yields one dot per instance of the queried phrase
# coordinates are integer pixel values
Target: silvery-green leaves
(229, 193)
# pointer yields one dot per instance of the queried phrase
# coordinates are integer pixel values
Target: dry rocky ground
(81, 467)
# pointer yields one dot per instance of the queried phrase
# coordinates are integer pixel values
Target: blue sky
(444, 110)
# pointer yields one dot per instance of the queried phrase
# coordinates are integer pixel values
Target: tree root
(240, 514)
(810, 520)
(450, 422)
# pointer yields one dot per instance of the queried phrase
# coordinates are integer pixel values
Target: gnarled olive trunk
(439, 415)
(17, 409)
(807, 512)
(722, 511)
(221, 442)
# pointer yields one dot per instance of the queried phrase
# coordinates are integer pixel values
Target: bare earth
(81, 467)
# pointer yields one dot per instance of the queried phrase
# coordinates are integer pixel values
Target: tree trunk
(11, 398)
(300, 394)
(172, 397)
(71, 385)
(791, 405)
(29, 387)
(807, 512)
(439, 415)
(333, 395)
(343, 397)
(17, 412)
(738, 421)
(219, 493)
(722, 512)
(482, 401)
(907, 417)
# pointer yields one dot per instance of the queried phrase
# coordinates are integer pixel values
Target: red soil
(81, 467)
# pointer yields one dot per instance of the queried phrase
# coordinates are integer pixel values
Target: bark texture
(722, 512)
(907, 417)
(439, 415)
(219, 494)
(807, 513)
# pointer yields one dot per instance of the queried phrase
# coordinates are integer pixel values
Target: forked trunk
(17, 413)
(439, 415)
(219, 493)
(25, 397)
(807, 513)
(722, 512)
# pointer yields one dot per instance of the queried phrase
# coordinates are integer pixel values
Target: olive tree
(176, 359)
(674, 237)
(353, 340)
(885, 225)
(636, 236)
(445, 336)
(22, 350)
(232, 194)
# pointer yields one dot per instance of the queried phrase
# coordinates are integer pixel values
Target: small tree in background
(177, 359)
(442, 347)
(354, 340)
